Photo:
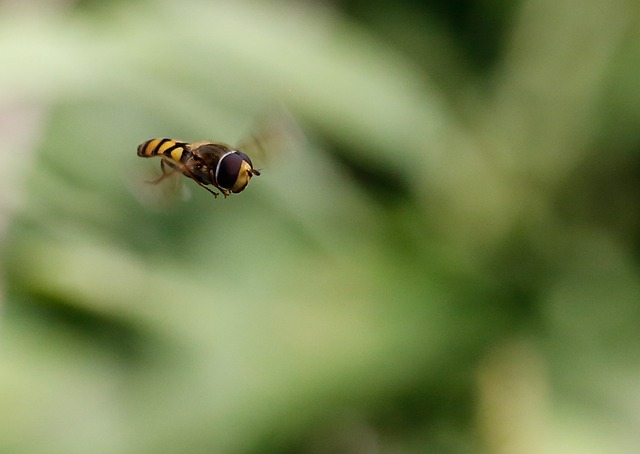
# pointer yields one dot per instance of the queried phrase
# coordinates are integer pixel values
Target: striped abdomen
(176, 151)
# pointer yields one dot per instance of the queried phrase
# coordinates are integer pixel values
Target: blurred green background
(448, 263)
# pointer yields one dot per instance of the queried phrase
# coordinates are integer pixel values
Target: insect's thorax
(205, 157)
(209, 152)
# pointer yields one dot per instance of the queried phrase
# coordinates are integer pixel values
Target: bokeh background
(444, 260)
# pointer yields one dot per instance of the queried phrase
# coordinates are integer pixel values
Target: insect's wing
(277, 134)
(161, 196)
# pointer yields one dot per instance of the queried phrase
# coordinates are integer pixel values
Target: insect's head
(234, 170)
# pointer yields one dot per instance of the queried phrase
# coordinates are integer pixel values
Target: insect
(206, 163)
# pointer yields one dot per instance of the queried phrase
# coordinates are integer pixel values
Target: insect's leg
(188, 173)
(178, 167)
(163, 162)
(165, 174)
(215, 194)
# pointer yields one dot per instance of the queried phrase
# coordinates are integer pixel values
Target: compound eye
(245, 158)
(228, 171)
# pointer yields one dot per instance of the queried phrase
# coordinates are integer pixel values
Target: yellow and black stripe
(171, 149)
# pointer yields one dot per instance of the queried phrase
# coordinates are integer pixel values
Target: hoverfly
(206, 163)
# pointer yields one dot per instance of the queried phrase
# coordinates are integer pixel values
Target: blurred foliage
(447, 263)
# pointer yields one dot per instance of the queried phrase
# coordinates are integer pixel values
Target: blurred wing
(161, 196)
(277, 134)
